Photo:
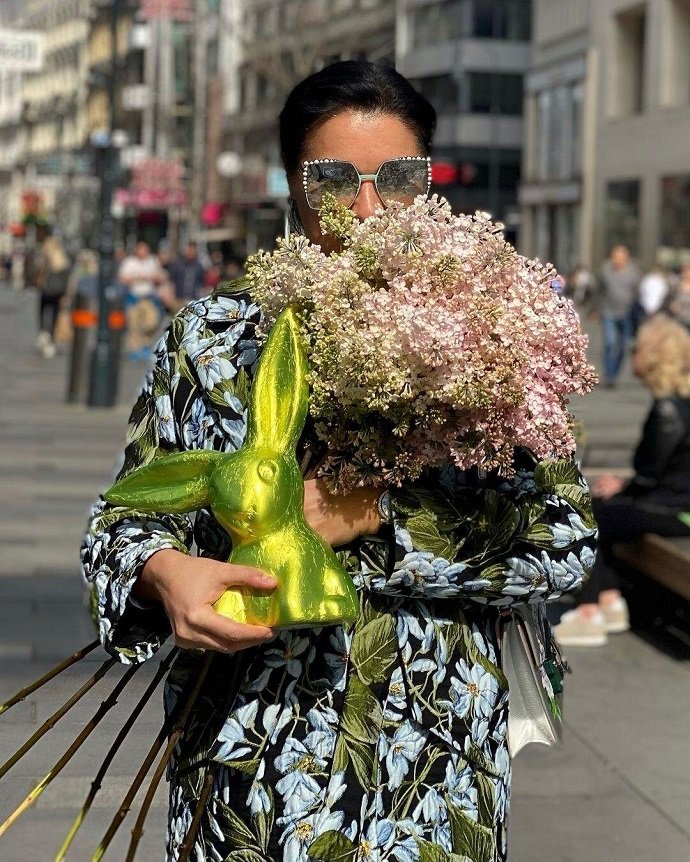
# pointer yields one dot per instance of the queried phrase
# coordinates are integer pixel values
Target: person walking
(619, 282)
(187, 275)
(141, 274)
(385, 737)
(51, 275)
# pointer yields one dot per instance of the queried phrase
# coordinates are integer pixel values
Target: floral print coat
(383, 740)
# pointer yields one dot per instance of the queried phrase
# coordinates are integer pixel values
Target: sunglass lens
(401, 180)
(337, 178)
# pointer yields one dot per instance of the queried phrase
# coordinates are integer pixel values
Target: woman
(658, 493)
(389, 736)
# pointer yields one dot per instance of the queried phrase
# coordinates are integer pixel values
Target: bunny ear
(280, 394)
(174, 484)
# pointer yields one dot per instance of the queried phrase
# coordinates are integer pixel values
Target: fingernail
(268, 581)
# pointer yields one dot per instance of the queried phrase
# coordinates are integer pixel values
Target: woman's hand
(340, 519)
(187, 587)
(608, 485)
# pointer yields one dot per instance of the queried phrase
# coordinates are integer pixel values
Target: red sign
(156, 184)
(178, 10)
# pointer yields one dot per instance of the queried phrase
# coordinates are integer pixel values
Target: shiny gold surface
(257, 495)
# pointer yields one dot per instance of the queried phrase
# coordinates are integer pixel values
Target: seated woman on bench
(658, 493)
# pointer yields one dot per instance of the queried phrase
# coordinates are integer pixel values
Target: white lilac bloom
(232, 738)
(401, 751)
(474, 691)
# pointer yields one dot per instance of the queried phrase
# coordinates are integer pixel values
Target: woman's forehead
(364, 138)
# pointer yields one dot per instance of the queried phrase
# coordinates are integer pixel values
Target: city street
(618, 790)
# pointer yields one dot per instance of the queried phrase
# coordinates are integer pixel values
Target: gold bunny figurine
(257, 495)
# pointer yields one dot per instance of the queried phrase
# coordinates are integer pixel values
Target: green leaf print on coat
(433, 853)
(332, 847)
(549, 474)
(263, 821)
(374, 649)
(242, 835)
(425, 534)
(360, 755)
(579, 498)
(471, 839)
(362, 714)
(496, 522)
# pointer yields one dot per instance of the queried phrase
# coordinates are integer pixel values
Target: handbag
(534, 685)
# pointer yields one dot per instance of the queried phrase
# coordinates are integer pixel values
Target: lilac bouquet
(430, 340)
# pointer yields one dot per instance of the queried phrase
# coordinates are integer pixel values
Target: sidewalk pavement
(618, 790)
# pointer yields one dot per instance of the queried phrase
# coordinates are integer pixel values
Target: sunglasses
(396, 181)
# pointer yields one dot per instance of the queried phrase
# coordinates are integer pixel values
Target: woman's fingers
(246, 576)
(214, 631)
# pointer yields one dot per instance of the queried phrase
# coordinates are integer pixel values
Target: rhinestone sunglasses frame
(306, 165)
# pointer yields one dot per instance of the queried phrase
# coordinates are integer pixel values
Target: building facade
(276, 44)
(608, 126)
(469, 57)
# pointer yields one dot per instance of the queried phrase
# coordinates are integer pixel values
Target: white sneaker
(616, 616)
(575, 629)
(48, 349)
(42, 340)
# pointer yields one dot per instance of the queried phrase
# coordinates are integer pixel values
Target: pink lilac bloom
(436, 339)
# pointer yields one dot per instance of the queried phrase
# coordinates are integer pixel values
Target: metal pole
(103, 382)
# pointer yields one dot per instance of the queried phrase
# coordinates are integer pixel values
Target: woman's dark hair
(351, 85)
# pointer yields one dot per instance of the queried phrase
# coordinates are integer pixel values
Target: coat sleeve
(664, 429)
(527, 539)
(119, 541)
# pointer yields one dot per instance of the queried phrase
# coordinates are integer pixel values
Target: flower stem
(30, 689)
(188, 844)
(57, 715)
(90, 726)
(112, 751)
(177, 732)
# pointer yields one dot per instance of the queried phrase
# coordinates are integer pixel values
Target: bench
(663, 559)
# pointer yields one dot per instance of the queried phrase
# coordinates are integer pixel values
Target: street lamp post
(104, 370)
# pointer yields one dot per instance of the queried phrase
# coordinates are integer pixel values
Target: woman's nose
(366, 201)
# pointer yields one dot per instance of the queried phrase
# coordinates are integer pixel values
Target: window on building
(675, 58)
(495, 93)
(627, 68)
(436, 22)
(674, 239)
(622, 214)
(502, 19)
(442, 91)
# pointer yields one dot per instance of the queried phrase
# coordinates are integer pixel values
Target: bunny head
(260, 487)
(256, 489)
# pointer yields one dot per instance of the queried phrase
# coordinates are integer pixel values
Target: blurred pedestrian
(679, 306)
(187, 276)
(580, 287)
(653, 292)
(619, 282)
(141, 274)
(51, 274)
(658, 493)
(214, 273)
